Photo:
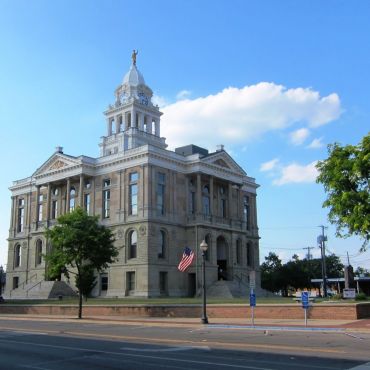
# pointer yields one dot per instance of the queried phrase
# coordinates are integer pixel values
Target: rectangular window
(161, 186)
(223, 208)
(39, 214)
(104, 283)
(15, 282)
(106, 203)
(130, 281)
(192, 202)
(20, 215)
(246, 215)
(54, 209)
(87, 203)
(163, 282)
(133, 190)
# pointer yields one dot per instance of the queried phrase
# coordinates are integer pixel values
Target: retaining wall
(288, 311)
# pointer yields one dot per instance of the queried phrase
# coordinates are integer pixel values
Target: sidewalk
(362, 325)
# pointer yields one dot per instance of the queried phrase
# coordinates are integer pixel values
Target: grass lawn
(166, 301)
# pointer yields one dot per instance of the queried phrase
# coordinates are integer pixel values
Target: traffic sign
(305, 299)
(252, 299)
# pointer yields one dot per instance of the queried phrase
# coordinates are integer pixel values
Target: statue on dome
(133, 56)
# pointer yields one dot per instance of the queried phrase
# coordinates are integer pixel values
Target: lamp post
(204, 247)
(1, 280)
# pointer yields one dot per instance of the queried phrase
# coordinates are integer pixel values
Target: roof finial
(133, 56)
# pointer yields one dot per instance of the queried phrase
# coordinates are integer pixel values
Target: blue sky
(273, 81)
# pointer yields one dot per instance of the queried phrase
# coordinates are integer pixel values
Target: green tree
(345, 175)
(87, 281)
(79, 242)
(271, 273)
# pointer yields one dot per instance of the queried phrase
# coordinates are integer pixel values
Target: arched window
(132, 244)
(17, 255)
(162, 244)
(38, 252)
(72, 200)
(206, 201)
(238, 252)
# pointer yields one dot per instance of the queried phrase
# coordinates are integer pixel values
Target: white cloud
(270, 165)
(295, 173)
(159, 100)
(316, 143)
(298, 137)
(183, 94)
(234, 116)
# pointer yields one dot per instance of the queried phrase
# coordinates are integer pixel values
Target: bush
(361, 297)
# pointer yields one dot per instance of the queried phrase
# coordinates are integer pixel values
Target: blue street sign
(305, 299)
(252, 299)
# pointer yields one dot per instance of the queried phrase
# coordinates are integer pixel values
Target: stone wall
(291, 311)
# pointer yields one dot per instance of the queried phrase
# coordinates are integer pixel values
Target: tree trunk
(80, 305)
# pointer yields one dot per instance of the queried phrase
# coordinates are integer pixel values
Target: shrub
(361, 297)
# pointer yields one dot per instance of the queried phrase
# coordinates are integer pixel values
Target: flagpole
(196, 262)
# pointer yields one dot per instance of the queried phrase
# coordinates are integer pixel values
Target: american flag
(186, 260)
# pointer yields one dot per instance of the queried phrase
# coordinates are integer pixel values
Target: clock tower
(132, 120)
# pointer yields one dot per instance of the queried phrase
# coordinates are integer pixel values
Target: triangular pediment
(221, 163)
(225, 161)
(56, 162)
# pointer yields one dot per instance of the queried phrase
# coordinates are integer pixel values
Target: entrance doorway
(222, 253)
(191, 285)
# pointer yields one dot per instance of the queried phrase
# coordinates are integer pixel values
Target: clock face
(123, 96)
(143, 99)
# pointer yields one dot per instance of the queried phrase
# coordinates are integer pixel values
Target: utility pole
(348, 259)
(309, 255)
(321, 239)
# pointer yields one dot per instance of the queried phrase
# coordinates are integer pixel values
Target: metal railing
(23, 284)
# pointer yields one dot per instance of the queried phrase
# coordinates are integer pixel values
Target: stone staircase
(41, 290)
(232, 289)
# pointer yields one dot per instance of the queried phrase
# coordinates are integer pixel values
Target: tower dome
(133, 77)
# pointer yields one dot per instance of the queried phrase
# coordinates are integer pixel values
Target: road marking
(190, 342)
(353, 336)
(171, 349)
(282, 328)
(361, 367)
(94, 351)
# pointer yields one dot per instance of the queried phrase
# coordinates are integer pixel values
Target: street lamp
(1, 280)
(204, 247)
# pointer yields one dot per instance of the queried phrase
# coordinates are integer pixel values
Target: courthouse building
(156, 202)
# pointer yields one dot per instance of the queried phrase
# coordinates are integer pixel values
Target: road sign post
(252, 303)
(305, 304)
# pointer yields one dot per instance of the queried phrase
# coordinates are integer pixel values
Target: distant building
(155, 201)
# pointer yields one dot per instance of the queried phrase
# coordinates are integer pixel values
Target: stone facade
(156, 202)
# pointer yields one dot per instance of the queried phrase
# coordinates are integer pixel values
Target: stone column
(12, 216)
(146, 186)
(15, 215)
(68, 195)
(81, 191)
(48, 202)
(141, 121)
(211, 205)
(109, 126)
(124, 196)
(92, 200)
(117, 122)
(37, 204)
(141, 190)
(149, 125)
(133, 118)
(230, 199)
(157, 128)
(199, 194)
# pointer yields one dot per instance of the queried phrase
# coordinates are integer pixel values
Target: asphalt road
(76, 344)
